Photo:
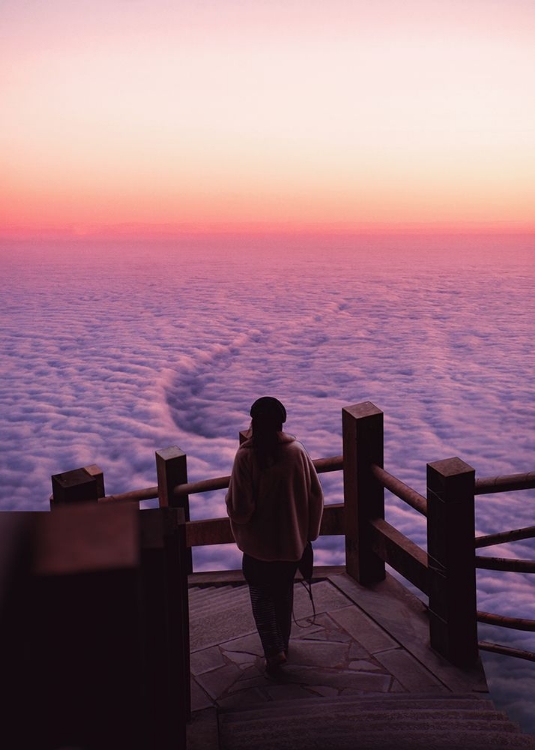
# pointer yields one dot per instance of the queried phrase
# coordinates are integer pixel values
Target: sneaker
(274, 663)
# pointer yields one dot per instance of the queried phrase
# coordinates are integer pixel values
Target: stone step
(215, 598)
(348, 723)
(376, 702)
(217, 603)
(220, 592)
(201, 591)
(198, 592)
(409, 740)
(224, 614)
(415, 718)
(206, 594)
(218, 598)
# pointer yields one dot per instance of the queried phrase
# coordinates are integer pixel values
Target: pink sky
(294, 114)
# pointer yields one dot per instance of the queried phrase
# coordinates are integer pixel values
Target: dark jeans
(271, 587)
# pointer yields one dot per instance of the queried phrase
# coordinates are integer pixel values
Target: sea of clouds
(111, 351)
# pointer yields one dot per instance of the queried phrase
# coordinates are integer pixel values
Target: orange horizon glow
(106, 233)
(302, 117)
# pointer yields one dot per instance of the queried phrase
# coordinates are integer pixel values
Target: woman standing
(275, 504)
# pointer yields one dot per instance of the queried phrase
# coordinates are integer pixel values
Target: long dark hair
(268, 415)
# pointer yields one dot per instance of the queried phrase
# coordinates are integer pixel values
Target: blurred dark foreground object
(92, 628)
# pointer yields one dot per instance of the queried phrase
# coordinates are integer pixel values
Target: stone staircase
(361, 676)
(391, 722)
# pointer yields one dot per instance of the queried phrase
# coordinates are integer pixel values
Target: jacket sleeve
(239, 498)
(315, 502)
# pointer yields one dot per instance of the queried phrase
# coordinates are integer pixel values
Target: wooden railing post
(165, 590)
(451, 554)
(172, 470)
(79, 485)
(179, 559)
(362, 427)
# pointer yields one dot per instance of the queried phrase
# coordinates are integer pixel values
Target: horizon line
(144, 230)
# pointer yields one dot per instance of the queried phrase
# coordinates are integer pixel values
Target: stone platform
(363, 643)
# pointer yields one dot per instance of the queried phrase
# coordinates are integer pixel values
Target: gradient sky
(294, 113)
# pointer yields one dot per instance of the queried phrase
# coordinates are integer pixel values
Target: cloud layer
(112, 352)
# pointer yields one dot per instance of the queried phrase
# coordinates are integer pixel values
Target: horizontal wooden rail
(528, 532)
(209, 531)
(336, 463)
(217, 530)
(134, 496)
(505, 564)
(497, 648)
(395, 549)
(515, 623)
(204, 485)
(323, 466)
(506, 483)
(326, 465)
(401, 490)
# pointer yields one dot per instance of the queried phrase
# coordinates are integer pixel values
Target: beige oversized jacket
(273, 513)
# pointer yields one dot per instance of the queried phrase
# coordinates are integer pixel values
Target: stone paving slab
(249, 644)
(199, 698)
(319, 653)
(397, 611)
(206, 660)
(327, 598)
(218, 681)
(409, 673)
(363, 629)
(354, 645)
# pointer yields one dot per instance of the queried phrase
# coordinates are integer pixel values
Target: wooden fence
(446, 572)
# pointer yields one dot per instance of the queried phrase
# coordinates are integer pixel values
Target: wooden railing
(446, 572)
(506, 484)
(413, 570)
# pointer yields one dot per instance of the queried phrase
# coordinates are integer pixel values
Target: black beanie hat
(269, 407)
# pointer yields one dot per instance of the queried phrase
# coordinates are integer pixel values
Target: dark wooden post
(79, 485)
(362, 427)
(178, 559)
(172, 470)
(165, 599)
(94, 471)
(451, 553)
